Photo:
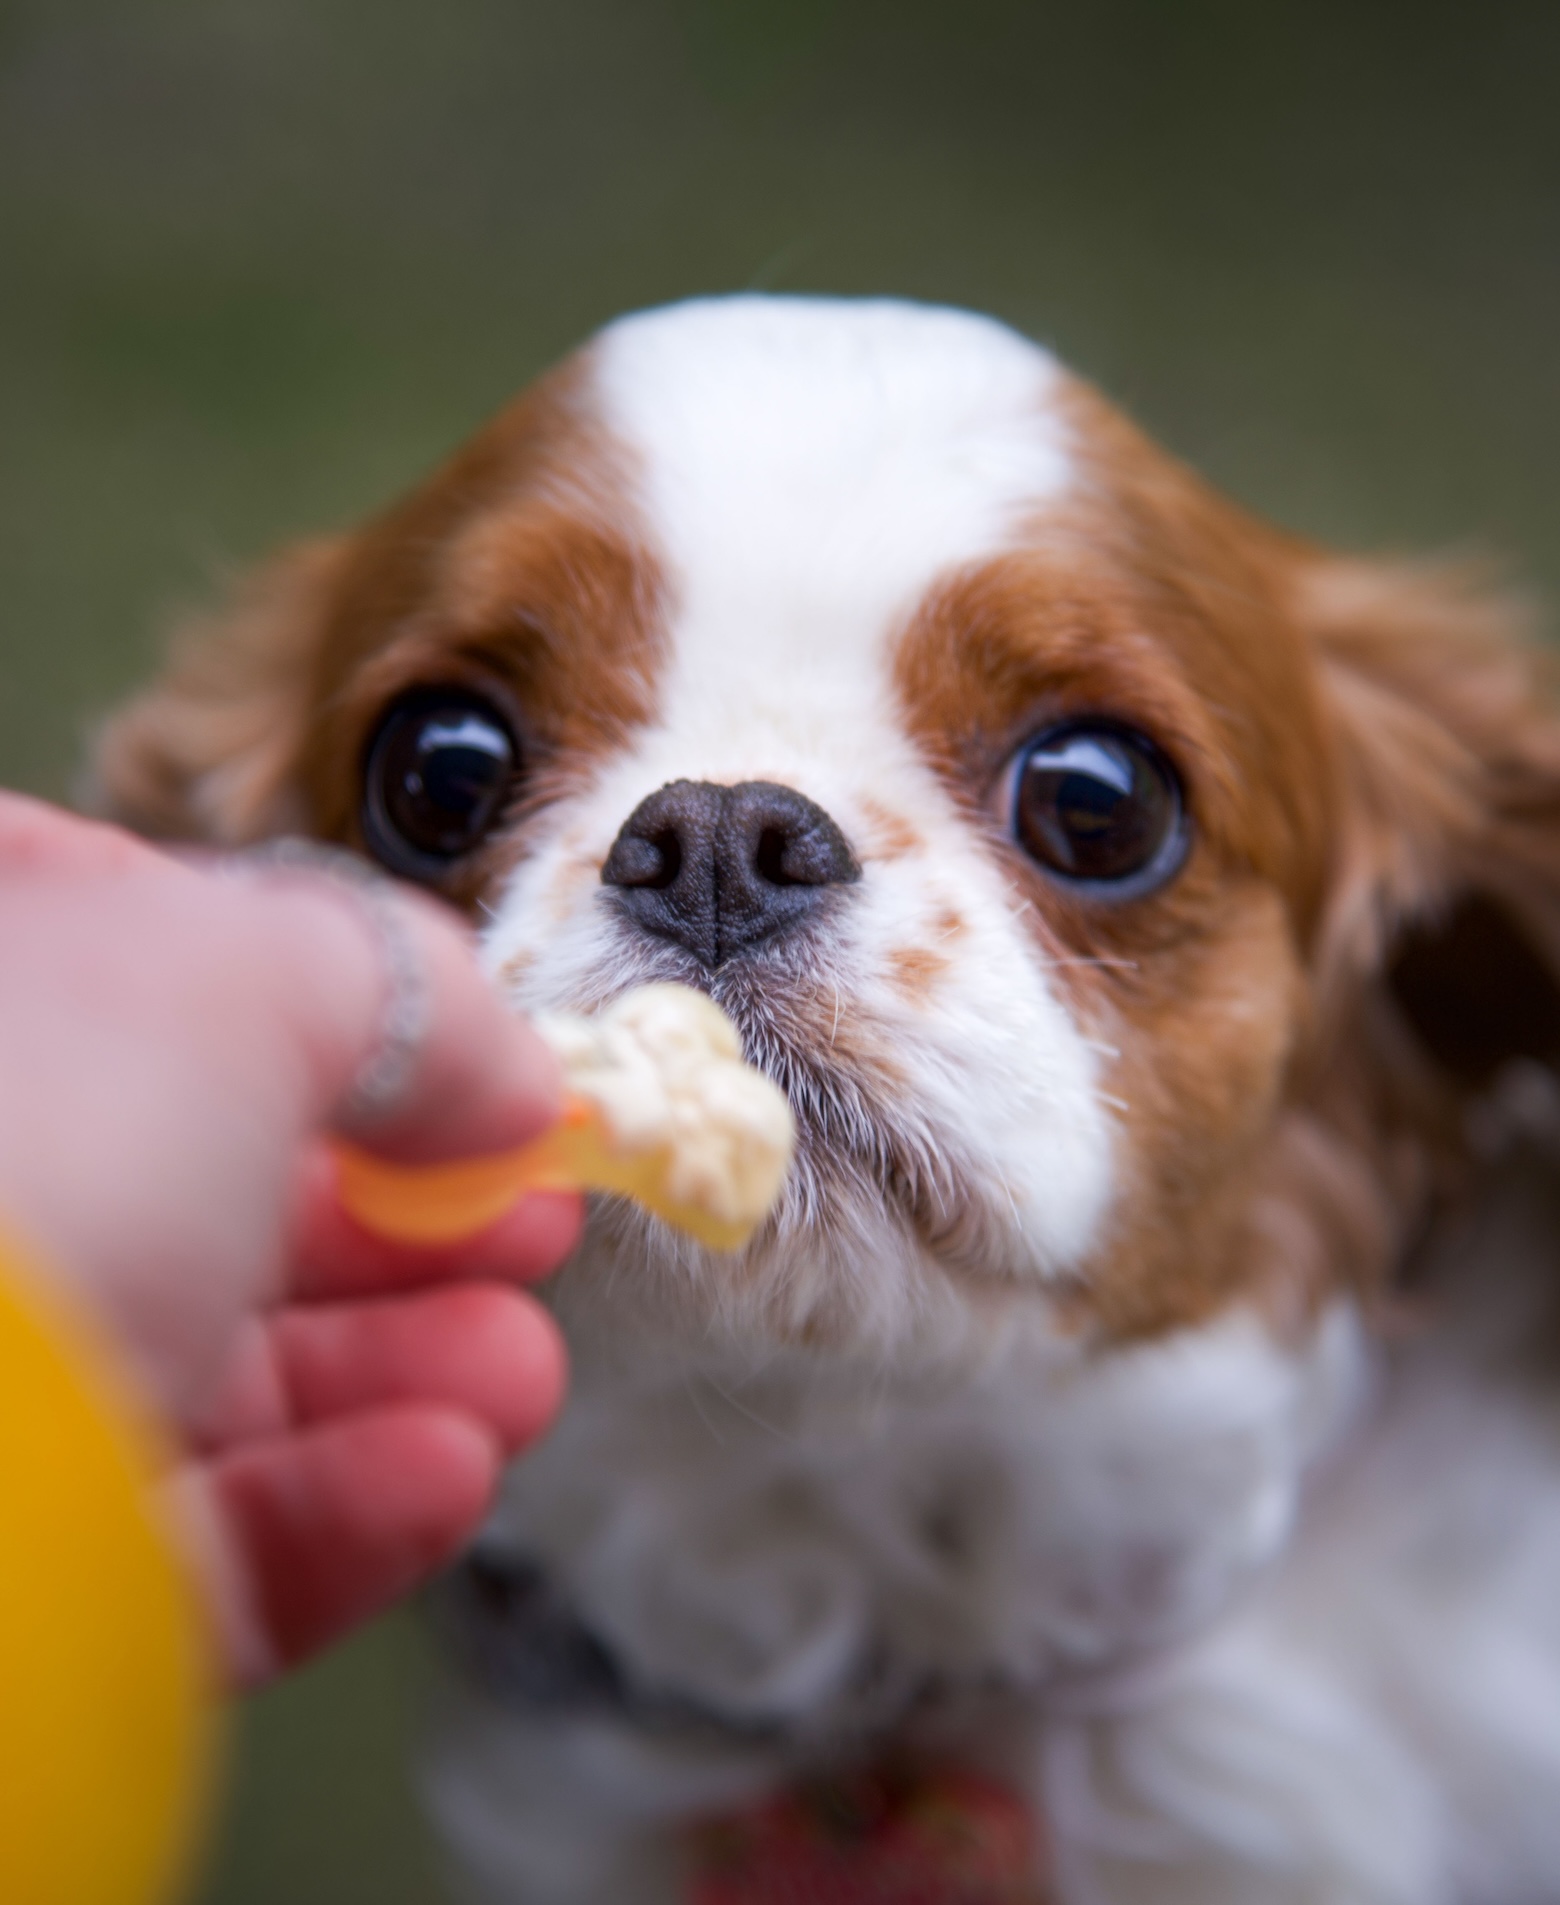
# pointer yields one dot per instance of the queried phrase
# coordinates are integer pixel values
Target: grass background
(260, 262)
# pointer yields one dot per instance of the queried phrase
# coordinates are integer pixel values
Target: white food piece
(663, 1068)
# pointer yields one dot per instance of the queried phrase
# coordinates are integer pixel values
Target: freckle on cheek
(517, 967)
(891, 835)
(913, 970)
(563, 894)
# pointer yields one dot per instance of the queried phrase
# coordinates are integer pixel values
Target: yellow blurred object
(106, 1669)
(661, 1109)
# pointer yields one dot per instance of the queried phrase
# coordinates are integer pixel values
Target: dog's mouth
(865, 1147)
(872, 1159)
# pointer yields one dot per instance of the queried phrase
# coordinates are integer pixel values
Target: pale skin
(176, 1045)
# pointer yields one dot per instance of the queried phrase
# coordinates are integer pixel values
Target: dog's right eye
(1100, 808)
(438, 770)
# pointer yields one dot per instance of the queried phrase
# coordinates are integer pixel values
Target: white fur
(1020, 1521)
(1380, 1724)
(1373, 1720)
(785, 1548)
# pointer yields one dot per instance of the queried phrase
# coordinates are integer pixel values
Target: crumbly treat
(661, 1108)
(685, 1125)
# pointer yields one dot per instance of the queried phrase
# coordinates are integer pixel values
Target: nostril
(769, 857)
(653, 860)
(669, 851)
(778, 838)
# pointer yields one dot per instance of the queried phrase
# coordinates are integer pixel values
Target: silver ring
(384, 1075)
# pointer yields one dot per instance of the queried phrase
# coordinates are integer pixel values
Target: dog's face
(1042, 821)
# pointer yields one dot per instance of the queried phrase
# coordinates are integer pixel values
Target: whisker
(698, 1409)
(771, 1428)
(1105, 964)
(1007, 1192)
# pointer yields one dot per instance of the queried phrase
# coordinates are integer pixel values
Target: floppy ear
(1435, 960)
(210, 751)
(1446, 896)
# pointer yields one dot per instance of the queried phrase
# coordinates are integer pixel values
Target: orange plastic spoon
(443, 1203)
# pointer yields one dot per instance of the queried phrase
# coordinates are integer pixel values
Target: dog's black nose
(722, 869)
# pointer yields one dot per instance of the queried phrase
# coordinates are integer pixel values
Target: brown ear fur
(1446, 757)
(1448, 730)
(210, 751)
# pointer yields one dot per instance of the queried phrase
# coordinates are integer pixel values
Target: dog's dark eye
(1099, 806)
(438, 769)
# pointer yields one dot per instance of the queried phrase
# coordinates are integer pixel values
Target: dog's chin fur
(1139, 1390)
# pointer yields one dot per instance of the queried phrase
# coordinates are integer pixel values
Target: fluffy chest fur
(798, 1549)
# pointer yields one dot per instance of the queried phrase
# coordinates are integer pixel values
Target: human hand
(174, 1048)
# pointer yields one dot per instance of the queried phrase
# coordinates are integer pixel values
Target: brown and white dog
(1141, 1391)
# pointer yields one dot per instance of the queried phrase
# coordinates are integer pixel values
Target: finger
(334, 1257)
(481, 1349)
(37, 837)
(484, 1079)
(308, 1536)
(481, 1079)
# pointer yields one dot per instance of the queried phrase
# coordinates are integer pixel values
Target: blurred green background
(259, 263)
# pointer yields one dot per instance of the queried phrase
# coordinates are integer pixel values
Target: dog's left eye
(1100, 807)
(438, 769)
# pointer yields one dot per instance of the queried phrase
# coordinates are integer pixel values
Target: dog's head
(1074, 849)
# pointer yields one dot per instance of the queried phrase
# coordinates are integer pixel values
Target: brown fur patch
(513, 569)
(517, 968)
(210, 752)
(892, 837)
(914, 971)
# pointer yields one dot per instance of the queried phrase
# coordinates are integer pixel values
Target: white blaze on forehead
(804, 470)
(807, 468)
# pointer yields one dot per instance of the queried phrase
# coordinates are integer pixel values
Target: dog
(1141, 1400)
